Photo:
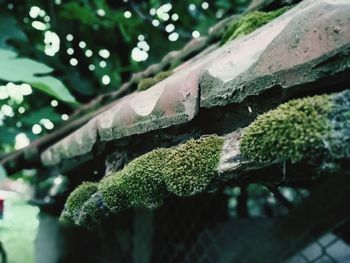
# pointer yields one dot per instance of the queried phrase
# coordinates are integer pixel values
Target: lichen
(249, 23)
(296, 130)
(337, 142)
(146, 83)
(191, 166)
(76, 200)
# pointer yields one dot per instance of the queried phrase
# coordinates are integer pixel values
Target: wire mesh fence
(232, 225)
(332, 247)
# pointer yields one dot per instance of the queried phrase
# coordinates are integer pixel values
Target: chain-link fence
(243, 224)
(332, 247)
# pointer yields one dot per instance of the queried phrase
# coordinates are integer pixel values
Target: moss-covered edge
(146, 83)
(249, 23)
(302, 129)
(299, 129)
(183, 170)
(191, 166)
(76, 200)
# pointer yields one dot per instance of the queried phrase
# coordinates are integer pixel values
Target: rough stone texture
(78, 143)
(230, 157)
(162, 105)
(232, 165)
(158, 107)
(307, 43)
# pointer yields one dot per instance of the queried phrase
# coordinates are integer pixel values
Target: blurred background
(57, 55)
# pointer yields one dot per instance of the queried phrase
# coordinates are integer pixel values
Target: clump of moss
(139, 184)
(113, 194)
(191, 166)
(76, 200)
(144, 183)
(183, 170)
(249, 23)
(92, 212)
(146, 83)
(66, 219)
(291, 132)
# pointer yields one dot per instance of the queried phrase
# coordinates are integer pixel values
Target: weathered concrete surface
(232, 165)
(158, 107)
(78, 143)
(309, 42)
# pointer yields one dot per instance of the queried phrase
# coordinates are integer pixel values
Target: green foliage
(92, 26)
(293, 131)
(9, 30)
(36, 116)
(249, 23)
(191, 166)
(146, 83)
(26, 70)
(73, 10)
(76, 200)
(86, 13)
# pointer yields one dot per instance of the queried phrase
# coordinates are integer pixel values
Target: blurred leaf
(9, 30)
(29, 71)
(78, 83)
(45, 112)
(73, 10)
(124, 32)
(8, 134)
(87, 14)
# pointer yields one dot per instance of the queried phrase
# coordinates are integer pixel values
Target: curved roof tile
(291, 50)
(285, 52)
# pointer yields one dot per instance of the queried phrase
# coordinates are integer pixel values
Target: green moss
(299, 129)
(191, 166)
(293, 131)
(66, 219)
(183, 170)
(113, 194)
(76, 200)
(249, 23)
(92, 212)
(144, 183)
(146, 83)
(139, 184)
